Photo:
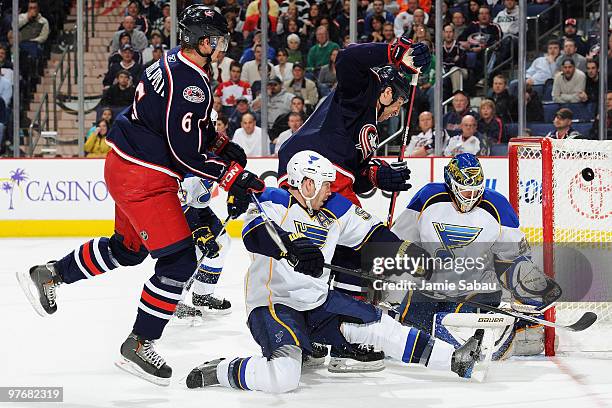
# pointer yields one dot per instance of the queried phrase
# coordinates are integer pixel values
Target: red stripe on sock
(170, 307)
(88, 261)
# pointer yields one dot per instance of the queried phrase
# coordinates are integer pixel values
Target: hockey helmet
(312, 165)
(197, 22)
(389, 76)
(464, 178)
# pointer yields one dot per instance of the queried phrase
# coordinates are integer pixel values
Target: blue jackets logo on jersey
(316, 234)
(453, 237)
(194, 94)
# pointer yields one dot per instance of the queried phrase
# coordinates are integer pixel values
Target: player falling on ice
(461, 220)
(373, 81)
(166, 133)
(289, 302)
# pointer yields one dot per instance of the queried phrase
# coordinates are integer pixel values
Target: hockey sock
(279, 374)
(400, 342)
(88, 260)
(210, 269)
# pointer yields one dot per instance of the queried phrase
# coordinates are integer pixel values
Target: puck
(588, 174)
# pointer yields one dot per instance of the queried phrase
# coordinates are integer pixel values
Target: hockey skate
(317, 358)
(39, 285)
(141, 360)
(355, 358)
(465, 357)
(204, 375)
(209, 304)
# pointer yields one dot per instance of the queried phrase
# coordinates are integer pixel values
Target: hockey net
(562, 192)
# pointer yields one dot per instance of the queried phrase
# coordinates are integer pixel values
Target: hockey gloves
(205, 240)
(388, 177)
(228, 150)
(409, 57)
(239, 183)
(421, 265)
(302, 253)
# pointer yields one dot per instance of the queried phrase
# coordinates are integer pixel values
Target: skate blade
(191, 321)
(27, 285)
(213, 312)
(342, 365)
(133, 368)
(313, 362)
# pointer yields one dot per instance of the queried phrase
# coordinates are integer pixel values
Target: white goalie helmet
(312, 165)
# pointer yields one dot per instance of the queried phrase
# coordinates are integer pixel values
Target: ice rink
(76, 349)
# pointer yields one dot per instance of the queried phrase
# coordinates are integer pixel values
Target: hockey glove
(388, 177)
(302, 254)
(423, 267)
(409, 57)
(239, 183)
(228, 150)
(205, 240)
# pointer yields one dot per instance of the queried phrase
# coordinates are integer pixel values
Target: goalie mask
(197, 22)
(312, 165)
(464, 179)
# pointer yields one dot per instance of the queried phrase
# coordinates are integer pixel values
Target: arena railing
(39, 124)
(537, 21)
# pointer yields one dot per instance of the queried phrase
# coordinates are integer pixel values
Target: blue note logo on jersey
(207, 186)
(316, 234)
(312, 159)
(453, 237)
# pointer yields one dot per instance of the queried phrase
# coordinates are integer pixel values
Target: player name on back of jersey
(155, 76)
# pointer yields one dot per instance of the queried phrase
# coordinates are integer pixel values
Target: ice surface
(76, 349)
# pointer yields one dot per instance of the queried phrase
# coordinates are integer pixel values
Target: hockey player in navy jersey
(462, 221)
(289, 303)
(166, 133)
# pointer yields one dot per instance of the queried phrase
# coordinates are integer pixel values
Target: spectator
(453, 56)
(418, 20)
(571, 33)
(5, 62)
(459, 23)
(115, 57)
(250, 70)
(327, 74)
(569, 83)
(294, 53)
(342, 21)
(159, 23)
(33, 30)
(468, 141)
(424, 99)
(229, 91)
(249, 53)
(166, 31)
(473, 11)
(158, 51)
(217, 105)
(311, 23)
(535, 110)
(279, 101)
(563, 126)
(507, 19)
(302, 86)
(332, 34)
(242, 107)
(505, 104)
(6, 91)
(422, 144)
(121, 93)
(221, 124)
(284, 69)
(302, 7)
(490, 126)
(320, 52)
(250, 138)
(421, 33)
(236, 41)
(294, 122)
(95, 146)
(281, 123)
(569, 51)
(127, 63)
(150, 11)
(107, 115)
(331, 8)
(253, 12)
(141, 22)
(594, 133)
(221, 67)
(378, 9)
(591, 88)
(388, 33)
(156, 40)
(137, 38)
(461, 108)
(478, 36)
(544, 68)
(376, 29)
(403, 21)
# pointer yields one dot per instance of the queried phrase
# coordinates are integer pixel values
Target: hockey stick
(583, 323)
(400, 157)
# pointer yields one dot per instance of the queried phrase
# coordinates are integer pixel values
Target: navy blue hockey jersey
(343, 126)
(168, 126)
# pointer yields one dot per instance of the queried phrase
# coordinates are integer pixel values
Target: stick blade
(584, 322)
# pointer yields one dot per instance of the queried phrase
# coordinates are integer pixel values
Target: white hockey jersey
(195, 192)
(270, 281)
(471, 242)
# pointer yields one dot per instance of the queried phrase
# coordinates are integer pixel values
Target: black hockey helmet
(197, 22)
(389, 76)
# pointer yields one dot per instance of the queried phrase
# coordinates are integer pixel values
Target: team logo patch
(144, 235)
(368, 140)
(279, 336)
(454, 237)
(318, 235)
(194, 94)
(209, 13)
(172, 57)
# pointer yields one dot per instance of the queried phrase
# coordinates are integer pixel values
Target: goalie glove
(409, 57)
(388, 176)
(302, 254)
(205, 240)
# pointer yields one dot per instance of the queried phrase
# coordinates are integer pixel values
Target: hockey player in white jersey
(476, 232)
(213, 245)
(290, 305)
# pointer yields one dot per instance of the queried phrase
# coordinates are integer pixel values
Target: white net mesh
(581, 226)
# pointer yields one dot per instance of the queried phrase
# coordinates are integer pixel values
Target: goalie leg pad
(528, 339)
